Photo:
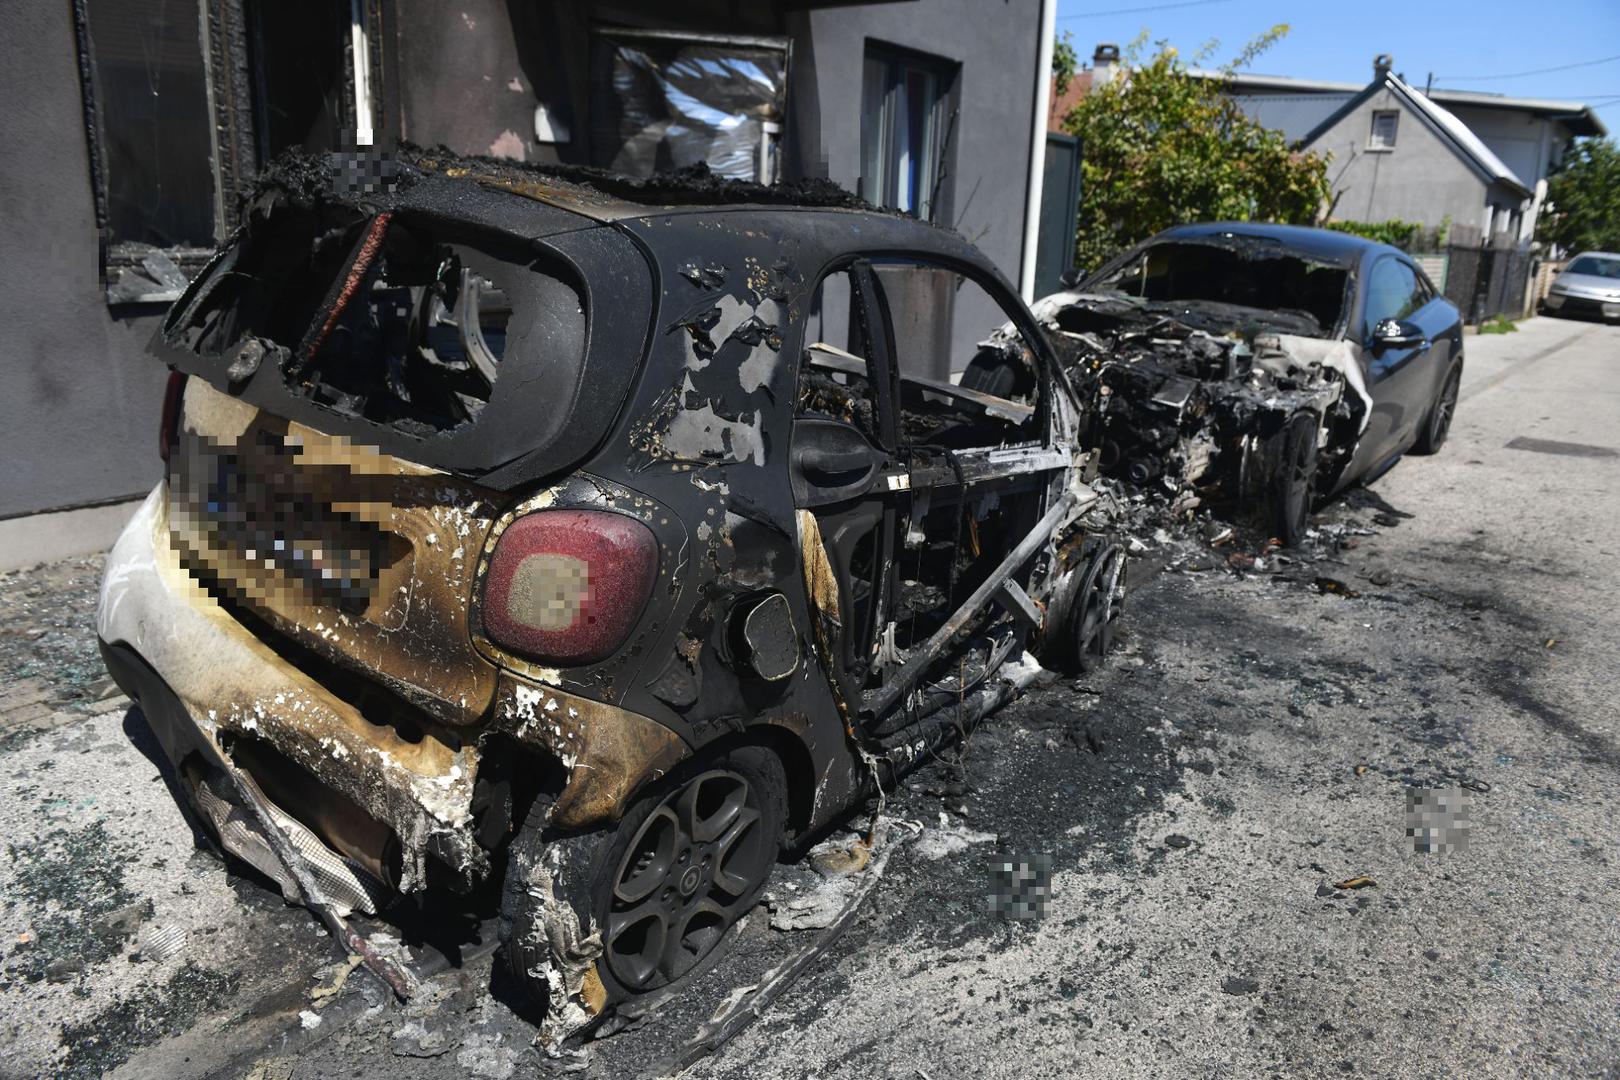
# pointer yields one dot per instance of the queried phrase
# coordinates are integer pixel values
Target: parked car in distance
(1589, 285)
(587, 540)
(1263, 365)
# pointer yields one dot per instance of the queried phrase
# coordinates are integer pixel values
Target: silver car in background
(1589, 285)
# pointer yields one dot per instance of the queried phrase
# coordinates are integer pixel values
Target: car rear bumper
(209, 687)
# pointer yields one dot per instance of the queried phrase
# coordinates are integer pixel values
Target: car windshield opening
(1269, 280)
(1596, 266)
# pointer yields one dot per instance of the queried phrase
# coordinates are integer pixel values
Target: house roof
(1577, 116)
(1440, 120)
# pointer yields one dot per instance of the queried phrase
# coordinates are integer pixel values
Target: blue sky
(1337, 41)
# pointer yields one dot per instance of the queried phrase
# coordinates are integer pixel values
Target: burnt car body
(1262, 365)
(519, 523)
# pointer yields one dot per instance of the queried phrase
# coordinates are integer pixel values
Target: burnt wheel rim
(1301, 477)
(687, 875)
(1444, 409)
(1102, 596)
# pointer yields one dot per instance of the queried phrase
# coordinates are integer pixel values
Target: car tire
(1084, 634)
(1437, 424)
(713, 828)
(1290, 457)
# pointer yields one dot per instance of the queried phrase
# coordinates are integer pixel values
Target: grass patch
(1499, 325)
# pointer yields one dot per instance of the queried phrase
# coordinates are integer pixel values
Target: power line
(1151, 7)
(1525, 74)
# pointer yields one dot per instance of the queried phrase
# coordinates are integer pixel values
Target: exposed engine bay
(1186, 390)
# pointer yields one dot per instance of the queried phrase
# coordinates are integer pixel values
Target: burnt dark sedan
(1264, 365)
(586, 540)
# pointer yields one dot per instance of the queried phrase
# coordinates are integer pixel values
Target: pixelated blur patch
(1020, 887)
(1437, 819)
(365, 171)
(550, 591)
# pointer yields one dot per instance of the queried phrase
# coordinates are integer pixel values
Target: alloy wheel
(689, 872)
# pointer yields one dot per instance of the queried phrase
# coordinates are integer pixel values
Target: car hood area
(1587, 286)
(1183, 394)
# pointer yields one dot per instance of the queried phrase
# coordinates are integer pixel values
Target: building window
(907, 121)
(1384, 123)
(152, 97)
(663, 100)
(185, 100)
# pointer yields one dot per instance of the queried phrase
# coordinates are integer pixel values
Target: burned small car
(584, 540)
(1257, 365)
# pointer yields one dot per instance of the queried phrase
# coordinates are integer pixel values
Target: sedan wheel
(1291, 455)
(1098, 606)
(1440, 415)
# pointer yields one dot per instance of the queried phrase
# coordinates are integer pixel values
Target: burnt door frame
(854, 485)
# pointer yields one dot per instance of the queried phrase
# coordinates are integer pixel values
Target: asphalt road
(1198, 801)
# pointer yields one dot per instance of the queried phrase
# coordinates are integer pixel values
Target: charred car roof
(617, 243)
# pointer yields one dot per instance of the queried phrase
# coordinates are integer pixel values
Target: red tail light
(567, 586)
(171, 413)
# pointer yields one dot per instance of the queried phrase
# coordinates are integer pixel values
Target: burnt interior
(393, 319)
(907, 555)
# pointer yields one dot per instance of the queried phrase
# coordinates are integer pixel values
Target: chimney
(1104, 64)
(1381, 65)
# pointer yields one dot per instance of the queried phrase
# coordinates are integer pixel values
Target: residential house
(134, 126)
(1479, 159)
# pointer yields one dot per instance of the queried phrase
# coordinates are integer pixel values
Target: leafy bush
(1583, 199)
(1162, 147)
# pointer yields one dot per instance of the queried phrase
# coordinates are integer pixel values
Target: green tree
(1065, 62)
(1584, 199)
(1161, 147)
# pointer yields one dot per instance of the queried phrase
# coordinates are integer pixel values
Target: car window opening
(1279, 289)
(392, 321)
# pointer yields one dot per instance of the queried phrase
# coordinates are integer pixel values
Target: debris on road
(950, 837)
(1355, 883)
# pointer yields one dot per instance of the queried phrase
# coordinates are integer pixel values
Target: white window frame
(1375, 140)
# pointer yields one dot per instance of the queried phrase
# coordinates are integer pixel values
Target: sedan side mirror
(1071, 277)
(1391, 334)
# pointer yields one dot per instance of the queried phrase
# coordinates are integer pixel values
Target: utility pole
(1427, 83)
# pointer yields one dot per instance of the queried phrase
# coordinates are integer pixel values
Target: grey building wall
(997, 42)
(79, 402)
(1421, 180)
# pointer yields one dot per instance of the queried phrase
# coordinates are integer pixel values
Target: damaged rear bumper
(211, 690)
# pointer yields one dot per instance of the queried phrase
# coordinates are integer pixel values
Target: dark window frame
(223, 27)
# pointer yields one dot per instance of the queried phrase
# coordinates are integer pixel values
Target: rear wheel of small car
(1438, 424)
(1291, 483)
(663, 887)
